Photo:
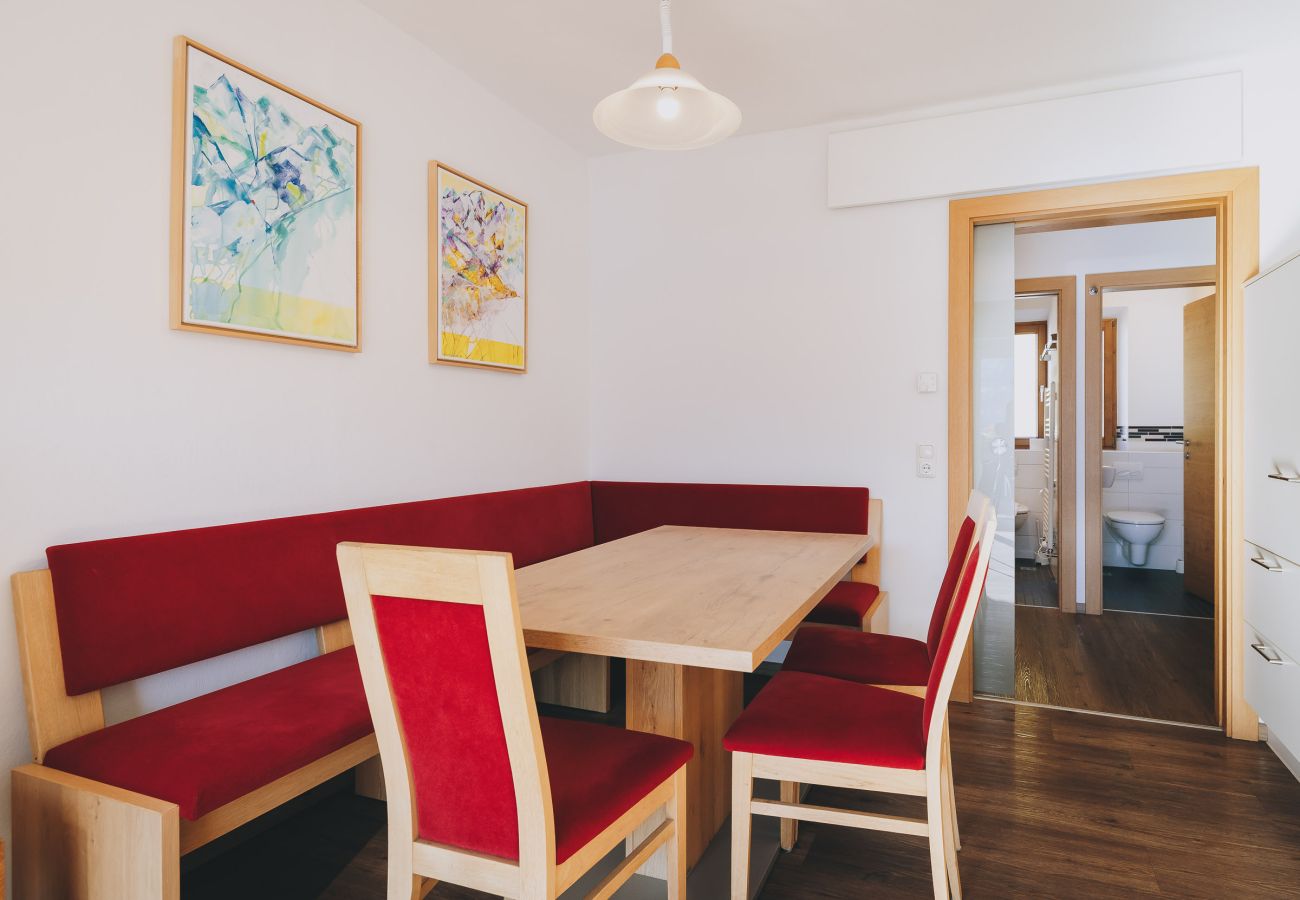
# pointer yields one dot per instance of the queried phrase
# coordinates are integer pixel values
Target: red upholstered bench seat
(206, 752)
(847, 604)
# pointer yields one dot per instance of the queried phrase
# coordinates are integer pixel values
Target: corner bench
(106, 811)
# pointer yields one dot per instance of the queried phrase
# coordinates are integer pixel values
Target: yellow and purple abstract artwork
(270, 241)
(481, 270)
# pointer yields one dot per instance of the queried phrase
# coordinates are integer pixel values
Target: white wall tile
(1166, 459)
(1113, 555)
(1163, 558)
(1168, 505)
(1030, 477)
(1115, 498)
(1156, 480)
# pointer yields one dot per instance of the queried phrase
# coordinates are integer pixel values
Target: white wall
(117, 425)
(743, 331)
(1149, 353)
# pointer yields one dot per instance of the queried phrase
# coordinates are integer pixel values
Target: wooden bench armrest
(81, 839)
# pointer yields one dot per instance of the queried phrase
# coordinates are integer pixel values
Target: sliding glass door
(993, 421)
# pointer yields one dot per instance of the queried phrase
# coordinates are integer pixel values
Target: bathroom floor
(1157, 591)
(1035, 585)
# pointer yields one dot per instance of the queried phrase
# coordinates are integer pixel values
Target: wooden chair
(886, 660)
(481, 791)
(812, 729)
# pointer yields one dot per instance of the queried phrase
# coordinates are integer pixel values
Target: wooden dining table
(691, 610)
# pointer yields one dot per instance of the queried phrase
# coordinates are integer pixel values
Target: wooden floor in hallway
(1134, 664)
(1052, 804)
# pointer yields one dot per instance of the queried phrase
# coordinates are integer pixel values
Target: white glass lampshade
(667, 109)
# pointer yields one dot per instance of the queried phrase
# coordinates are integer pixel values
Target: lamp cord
(666, 24)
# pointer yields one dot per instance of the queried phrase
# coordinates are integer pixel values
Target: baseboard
(1279, 749)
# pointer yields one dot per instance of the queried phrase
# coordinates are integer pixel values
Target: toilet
(1022, 515)
(1135, 530)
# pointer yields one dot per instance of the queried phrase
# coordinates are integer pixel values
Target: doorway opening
(1228, 199)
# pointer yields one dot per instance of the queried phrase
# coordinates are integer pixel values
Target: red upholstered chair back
(956, 631)
(975, 508)
(134, 606)
(444, 666)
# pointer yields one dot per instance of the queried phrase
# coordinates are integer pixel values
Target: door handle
(1290, 479)
(1270, 655)
(1266, 565)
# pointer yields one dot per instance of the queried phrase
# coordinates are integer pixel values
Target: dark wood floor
(1052, 804)
(1158, 667)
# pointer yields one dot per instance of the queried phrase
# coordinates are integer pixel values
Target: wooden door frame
(1144, 280)
(1066, 289)
(1232, 196)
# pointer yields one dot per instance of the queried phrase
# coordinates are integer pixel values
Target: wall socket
(925, 465)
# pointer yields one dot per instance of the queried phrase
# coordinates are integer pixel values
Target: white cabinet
(1272, 686)
(1271, 485)
(1273, 598)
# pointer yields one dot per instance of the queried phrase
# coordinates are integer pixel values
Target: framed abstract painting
(478, 273)
(266, 230)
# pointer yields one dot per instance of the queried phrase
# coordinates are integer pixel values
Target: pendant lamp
(666, 109)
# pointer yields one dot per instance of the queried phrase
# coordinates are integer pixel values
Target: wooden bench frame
(76, 838)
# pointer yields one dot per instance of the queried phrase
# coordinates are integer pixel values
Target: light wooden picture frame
(266, 207)
(478, 273)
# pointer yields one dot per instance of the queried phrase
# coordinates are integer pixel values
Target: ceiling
(789, 63)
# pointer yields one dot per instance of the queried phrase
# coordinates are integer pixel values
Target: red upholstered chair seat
(598, 773)
(804, 716)
(206, 752)
(855, 656)
(846, 604)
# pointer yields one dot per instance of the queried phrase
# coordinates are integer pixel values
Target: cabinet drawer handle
(1270, 655)
(1266, 565)
(1290, 479)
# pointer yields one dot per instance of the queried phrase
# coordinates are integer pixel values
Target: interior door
(1198, 453)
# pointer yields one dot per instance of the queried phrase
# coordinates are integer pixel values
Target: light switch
(927, 382)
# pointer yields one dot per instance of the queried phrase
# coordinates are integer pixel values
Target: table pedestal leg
(696, 705)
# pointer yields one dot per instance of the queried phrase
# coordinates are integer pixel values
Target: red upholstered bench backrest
(135, 606)
(622, 508)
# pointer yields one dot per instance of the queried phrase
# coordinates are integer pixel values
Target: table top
(719, 598)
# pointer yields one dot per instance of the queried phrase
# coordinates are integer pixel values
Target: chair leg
(934, 814)
(949, 833)
(789, 827)
(952, 791)
(403, 883)
(742, 794)
(676, 849)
